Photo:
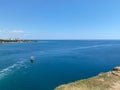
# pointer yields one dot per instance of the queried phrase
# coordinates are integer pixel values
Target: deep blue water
(56, 62)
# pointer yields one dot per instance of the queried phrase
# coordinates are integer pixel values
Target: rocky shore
(103, 81)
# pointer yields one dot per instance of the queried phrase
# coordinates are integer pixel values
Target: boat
(32, 59)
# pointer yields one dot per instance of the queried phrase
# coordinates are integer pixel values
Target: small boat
(32, 59)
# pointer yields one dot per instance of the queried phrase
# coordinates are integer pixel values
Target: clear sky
(60, 19)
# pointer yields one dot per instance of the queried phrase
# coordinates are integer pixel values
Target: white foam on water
(84, 47)
(95, 46)
(6, 71)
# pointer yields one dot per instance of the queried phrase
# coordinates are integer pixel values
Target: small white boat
(32, 59)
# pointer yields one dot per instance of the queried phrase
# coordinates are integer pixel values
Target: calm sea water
(56, 62)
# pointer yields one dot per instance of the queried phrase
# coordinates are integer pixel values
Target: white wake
(4, 72)
(95, 46)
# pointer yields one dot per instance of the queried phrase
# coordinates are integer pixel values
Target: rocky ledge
(103, 81)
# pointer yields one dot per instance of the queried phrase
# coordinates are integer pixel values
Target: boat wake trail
(12, 68)
(95, 46)
(84, 48)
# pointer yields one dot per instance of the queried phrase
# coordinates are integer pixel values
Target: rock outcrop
(104, 81)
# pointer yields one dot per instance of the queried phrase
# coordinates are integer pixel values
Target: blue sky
(60, 19)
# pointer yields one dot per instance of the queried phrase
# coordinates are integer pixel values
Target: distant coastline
(2, 41)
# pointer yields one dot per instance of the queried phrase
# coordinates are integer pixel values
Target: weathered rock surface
(104, 81)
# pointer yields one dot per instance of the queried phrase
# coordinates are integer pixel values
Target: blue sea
(56, 62)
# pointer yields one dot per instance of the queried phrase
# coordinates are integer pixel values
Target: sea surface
(56, 62)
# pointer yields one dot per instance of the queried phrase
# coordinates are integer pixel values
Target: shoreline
(103, 81)
(16, 41)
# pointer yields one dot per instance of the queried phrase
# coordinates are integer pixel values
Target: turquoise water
(56, 62)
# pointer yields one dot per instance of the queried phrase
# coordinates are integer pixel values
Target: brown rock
(116, 69)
